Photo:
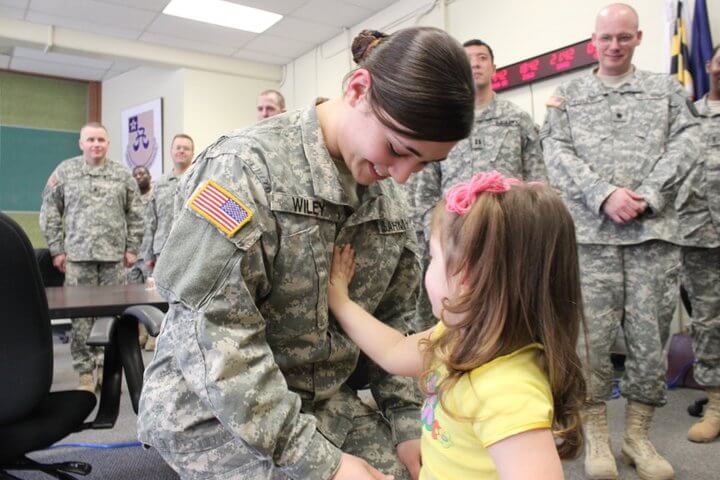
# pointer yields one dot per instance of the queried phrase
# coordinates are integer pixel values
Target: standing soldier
(616, 144)
(91, 217)
(161, 208)
(140, 270)
(249, 379)
(503, 138)
(698, 204)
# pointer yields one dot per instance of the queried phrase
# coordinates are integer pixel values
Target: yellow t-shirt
(509, 395)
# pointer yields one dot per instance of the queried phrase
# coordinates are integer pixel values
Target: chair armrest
(102, 331)
(148, 315)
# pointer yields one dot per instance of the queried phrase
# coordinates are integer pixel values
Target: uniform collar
(324, 173)
(635, 85)
(704, 109)
(94, 170)
(491, 110)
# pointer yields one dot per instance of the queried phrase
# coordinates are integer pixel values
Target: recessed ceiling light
(226, 14)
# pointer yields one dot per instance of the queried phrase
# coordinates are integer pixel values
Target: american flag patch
(220, 208)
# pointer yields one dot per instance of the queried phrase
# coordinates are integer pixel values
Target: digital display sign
(562, 60)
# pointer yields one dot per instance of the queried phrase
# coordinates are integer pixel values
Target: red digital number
(563, 60)
(591, 50)
(528, 70)
(500, 79)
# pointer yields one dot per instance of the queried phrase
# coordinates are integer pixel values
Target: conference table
(100, 300)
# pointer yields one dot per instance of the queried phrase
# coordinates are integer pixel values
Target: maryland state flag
(679, 52)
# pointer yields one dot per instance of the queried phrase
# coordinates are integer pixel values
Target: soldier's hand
(354, 468)
(58, 262)
(409, 454)
(341, 272)
(623, 205)
(129, 259)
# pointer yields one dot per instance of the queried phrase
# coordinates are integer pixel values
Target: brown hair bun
(364, 42)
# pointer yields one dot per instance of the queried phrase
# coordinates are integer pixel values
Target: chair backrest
(26, 350)
(51, 276)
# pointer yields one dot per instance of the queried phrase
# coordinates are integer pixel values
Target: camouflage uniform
(92, 214)
(638, 136)
(248, 379)
(698, 205)
(139, 272)
(161, 213)
(503, 138)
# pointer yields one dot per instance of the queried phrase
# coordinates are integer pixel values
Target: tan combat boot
(87, 382)
(599, 461)
(150, 344)
(637, 449)
(142, 335)
(707, 429)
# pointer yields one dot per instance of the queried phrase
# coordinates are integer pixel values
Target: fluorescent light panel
(225, 14)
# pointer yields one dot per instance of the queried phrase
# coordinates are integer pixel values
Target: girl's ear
(358, 87)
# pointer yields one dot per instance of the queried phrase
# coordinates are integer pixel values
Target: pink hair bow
(460, 198)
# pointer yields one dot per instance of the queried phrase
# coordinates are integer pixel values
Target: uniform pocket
(298, 302)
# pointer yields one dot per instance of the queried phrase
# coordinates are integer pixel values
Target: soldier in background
(249, 379)
(269, 104)
(698, 204)
(617, 143)
(140, 270)
(504, 138)
(161, 208)
(92, 220)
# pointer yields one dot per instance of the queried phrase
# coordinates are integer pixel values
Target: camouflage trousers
(369, 439)
(701, 277)
(86, 358)
(631, 289)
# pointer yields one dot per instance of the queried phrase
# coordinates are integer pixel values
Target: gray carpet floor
(691, 461)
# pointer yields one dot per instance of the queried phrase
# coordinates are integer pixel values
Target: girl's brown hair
(421, 78)
(516, 254)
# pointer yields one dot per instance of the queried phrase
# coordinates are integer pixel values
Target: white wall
(516, 29)
(134, 88)
(215, 104)
(202, 104)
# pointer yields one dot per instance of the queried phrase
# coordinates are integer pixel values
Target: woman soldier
(249, 376)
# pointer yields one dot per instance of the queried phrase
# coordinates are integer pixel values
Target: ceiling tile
(374, 5)
(63, 58)
(330, 12)
(95, 13)
(82, 26)
(283, 7)
(57, 69)
(304, 30)
(200, 32)
(152, 5)
(282, 47)
(186, 44)
(16, 13)
(4, 61)
(262, 57)
(21, 4)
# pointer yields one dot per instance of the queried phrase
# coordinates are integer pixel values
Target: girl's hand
(341, 272)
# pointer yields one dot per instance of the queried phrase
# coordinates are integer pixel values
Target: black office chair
(31, 417)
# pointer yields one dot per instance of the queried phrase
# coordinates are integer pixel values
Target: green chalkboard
(27, 158)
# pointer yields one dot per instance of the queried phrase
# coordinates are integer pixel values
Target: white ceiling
(306, 24)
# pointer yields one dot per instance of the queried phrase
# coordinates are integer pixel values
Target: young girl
(500, 369)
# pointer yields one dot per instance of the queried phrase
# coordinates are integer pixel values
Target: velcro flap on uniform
(310, 206)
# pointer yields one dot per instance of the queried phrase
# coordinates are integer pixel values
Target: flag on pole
(679, 52)
(700, 49)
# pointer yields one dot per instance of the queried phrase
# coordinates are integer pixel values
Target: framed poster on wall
(142, 135)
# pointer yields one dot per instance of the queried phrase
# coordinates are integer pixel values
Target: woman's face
(371, 150)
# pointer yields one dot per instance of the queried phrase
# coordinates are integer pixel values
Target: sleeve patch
(220, 207)
(555, 102)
